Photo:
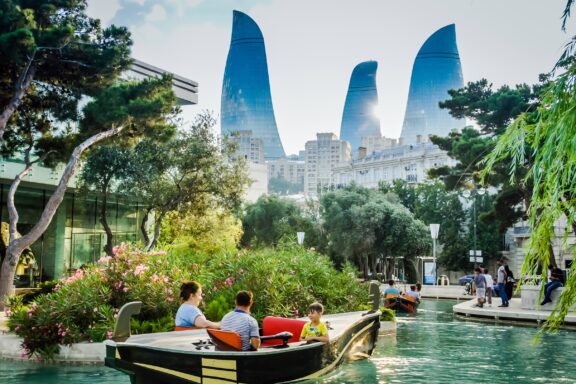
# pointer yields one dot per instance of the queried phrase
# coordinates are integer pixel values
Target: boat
(212, 356)
(401, 303)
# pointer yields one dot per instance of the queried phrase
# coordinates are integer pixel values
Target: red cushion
(272, 325)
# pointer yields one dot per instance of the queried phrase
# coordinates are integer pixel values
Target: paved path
(513, 313)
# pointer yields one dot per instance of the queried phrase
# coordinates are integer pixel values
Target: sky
(312, 47)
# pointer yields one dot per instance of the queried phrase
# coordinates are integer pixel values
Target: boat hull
(150, 362)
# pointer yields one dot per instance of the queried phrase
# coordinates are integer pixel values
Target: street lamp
(434, 228)
(467, 195)
(300, 237)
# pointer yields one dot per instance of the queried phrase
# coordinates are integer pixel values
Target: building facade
(246, 102)
(322, 155)
(436, 70)
(250, 147)
(359, 118)
(407, 162)
(288, 169)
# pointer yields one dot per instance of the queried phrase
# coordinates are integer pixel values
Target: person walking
(501, 280)
(489, 286)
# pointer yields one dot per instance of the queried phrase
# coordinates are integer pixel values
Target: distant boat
(401, 303)
(195, 357)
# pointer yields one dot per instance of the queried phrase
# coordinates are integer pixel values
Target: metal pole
(435, 267)
(474, 218)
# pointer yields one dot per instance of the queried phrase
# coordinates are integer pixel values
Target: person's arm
(323, 334)
(254, 334)
(304, 332)
(202, 322)
(255, 341)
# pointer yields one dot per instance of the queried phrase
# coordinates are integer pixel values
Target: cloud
(105, 10)
(157, 13)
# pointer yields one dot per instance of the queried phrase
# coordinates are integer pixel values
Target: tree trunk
(156, 235)
(17, 246)
(109, 246)
(143, 226)
(22, 86)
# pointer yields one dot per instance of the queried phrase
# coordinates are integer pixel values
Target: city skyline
(312, 47)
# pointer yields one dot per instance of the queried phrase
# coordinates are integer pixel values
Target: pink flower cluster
(119, 249)
(105, 259)
(77, 275)
(140, 269)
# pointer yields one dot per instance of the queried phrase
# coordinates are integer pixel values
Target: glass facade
(436, 70)
(359, 118)
(246, 103)
(75, 235)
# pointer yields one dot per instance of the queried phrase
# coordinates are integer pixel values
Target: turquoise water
(432, 347)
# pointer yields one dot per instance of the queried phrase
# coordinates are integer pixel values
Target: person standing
(480, 282)
(241, 321)
(509, 286)
(501, 280)
(489, 286)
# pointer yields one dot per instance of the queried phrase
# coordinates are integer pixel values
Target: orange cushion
(181, 328)
(272, 325)
(226, 340)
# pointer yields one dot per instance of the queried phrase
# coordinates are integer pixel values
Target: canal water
(432, 347)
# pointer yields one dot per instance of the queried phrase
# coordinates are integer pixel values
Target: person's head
(315, 311)
(413, 288)
(418, 287)
(500, 262)
(191, 290)
(486, 270)
(477, 271)
(391, 283)
(244, 299)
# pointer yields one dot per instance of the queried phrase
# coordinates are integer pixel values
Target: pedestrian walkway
(512, 313)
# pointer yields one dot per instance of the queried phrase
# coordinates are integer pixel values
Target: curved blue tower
(436, 70)
(359, 118)
(246, 103)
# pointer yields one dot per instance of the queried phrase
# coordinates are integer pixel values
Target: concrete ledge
(513, 313)
(530, 296)
(387, 327)
(81, 353)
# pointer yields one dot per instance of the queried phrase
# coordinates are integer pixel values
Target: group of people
(414, 291)
(240, 319)
(485, 284)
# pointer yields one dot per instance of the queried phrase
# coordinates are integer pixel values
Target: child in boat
(315, 329)
(414, 293)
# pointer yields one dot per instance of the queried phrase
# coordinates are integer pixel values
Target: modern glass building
(246, 103)
(359, 118)
(436, 70)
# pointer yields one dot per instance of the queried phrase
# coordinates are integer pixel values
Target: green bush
(83, 307)
(387, 314)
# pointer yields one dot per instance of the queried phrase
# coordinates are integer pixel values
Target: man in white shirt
(489, 286)
(502, 276)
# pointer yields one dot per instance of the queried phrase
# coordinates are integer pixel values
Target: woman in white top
(489, 286)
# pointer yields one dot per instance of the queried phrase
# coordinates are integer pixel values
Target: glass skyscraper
(359, 118)
(246, 103)
(436, 70)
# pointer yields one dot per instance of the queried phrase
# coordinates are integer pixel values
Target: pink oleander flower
(170, 299)
(140, 269)
(118, 285)
(105, 259)
(125, 289)
(109, 334)
(155, 278)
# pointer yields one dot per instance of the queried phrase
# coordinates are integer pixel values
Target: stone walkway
(513, 313)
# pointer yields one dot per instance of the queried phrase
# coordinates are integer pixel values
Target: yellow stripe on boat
(209, 380)
(172, 372)
(228, 375)
(217, 363)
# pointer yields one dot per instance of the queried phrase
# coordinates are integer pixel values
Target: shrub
(83, 307)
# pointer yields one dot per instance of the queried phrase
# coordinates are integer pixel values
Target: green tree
(103, 169)
(366, 228)
(52, 53)
(193, 172)
(549, 140)
(270, 218)
(127, 109)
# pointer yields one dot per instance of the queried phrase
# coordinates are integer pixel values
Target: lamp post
(467, 195)
(434, 228)
(300, 237)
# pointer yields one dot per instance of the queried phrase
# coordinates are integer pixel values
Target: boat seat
(272, 326)
(182, 328)
(225, 340)
(391, 296)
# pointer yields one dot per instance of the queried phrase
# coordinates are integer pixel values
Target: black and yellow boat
(194, 356)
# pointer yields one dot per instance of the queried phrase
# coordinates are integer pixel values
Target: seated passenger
(240, 321)
(391, 290)
(556, 278)
(413, 293)
(188, 314)
(315, 329)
